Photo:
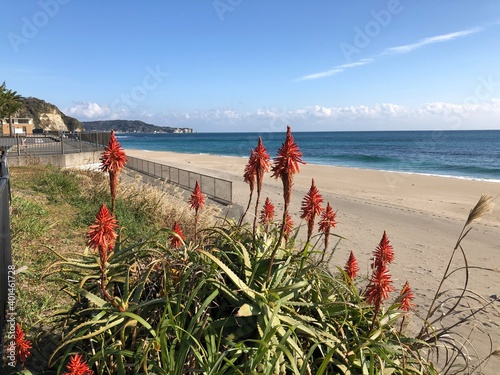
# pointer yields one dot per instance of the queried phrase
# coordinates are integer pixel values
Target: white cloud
(394, 112)
(431, 40)
(335, 70)
(357, 63)
(392, 51)
(89, 111)
(384, 110)
(438, 115)
(327, 73)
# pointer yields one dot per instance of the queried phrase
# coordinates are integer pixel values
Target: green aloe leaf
(224, 289)
(99, 302)
(85, 327)
(139, 288)
(140, 320)
(233, 328)
(240, 284)
(246, 262)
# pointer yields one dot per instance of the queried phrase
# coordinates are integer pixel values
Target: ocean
(473, 154)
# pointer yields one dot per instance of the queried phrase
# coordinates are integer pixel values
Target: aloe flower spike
(197, 202)
(311, 206)
(77, 366)
(113, 160)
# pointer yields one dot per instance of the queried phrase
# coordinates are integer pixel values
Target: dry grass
(483, 207)
(168, 203)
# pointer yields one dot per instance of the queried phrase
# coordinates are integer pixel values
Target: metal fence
(215, 188)
(7, 275)
(54, 143)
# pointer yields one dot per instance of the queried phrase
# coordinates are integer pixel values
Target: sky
(258, 65)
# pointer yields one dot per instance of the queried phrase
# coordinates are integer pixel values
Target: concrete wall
(59, 160)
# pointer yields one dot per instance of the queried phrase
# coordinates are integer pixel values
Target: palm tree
(10, 103)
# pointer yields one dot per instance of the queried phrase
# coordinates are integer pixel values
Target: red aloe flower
(351, 267)
(261, 161)
(257, 165)
(23, 345)
(311, 206)
(379, 287)
(197, 199)
(287, 226)
(327, 222)
(249, 174)
(113, 159)
(288, 158)
(101, 235)
(77, 366)
(267, 213)
(406, 297)
(197, 202)
(176, 241)
(286, 164)
(383, 252)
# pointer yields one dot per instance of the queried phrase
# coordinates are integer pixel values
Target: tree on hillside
(10, 103)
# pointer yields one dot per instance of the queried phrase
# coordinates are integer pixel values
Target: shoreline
(350, 179)
(468, 178)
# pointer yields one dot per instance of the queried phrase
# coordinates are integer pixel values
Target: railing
(7, 275)
(215, 188)
(54, 143)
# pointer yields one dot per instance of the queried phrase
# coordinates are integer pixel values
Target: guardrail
(215, 188)
(50, 143)
(7, 275)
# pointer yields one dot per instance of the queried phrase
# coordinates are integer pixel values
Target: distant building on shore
(183, 130)
(20, 126)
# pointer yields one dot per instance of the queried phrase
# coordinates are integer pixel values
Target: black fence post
(7, 272)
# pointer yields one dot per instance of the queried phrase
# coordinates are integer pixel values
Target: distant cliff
(47, 116)
(131, 126)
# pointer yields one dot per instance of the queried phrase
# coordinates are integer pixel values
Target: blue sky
(257, 65)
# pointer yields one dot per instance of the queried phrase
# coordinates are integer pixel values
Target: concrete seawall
(59, 160)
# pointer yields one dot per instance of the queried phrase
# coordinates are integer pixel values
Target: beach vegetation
(194, 295)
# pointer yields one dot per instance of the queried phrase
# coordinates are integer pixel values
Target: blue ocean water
(466, 154)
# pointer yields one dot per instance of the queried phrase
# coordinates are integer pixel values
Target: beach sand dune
(422, 215)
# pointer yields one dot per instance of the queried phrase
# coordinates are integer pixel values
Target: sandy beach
(422, 215)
